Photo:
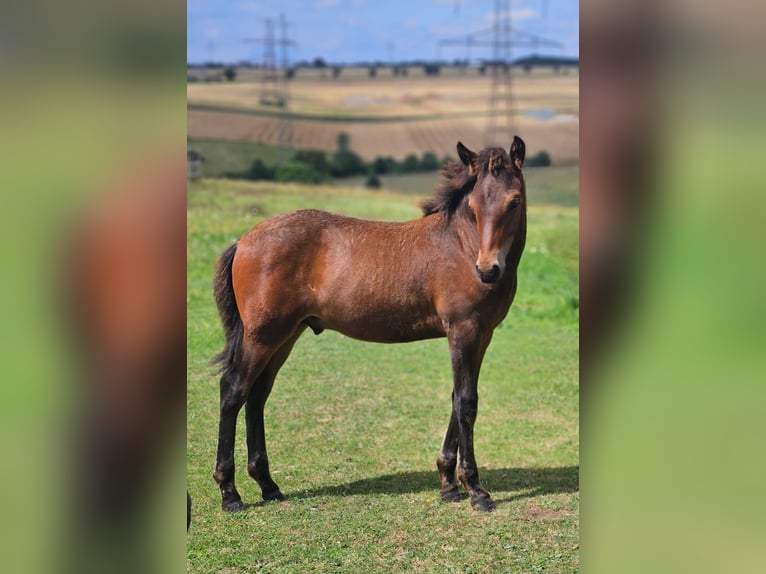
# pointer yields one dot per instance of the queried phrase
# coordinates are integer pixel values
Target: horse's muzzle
(490, 276)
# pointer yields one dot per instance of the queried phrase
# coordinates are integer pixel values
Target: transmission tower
(285, 123)
(271, 88)
(275, 86)
(501, 120)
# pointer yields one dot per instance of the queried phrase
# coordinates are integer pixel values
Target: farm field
(354, 428)
(390, 116)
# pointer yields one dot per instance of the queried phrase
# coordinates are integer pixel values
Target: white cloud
(411, 23)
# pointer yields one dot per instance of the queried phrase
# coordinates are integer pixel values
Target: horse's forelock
(492, 160)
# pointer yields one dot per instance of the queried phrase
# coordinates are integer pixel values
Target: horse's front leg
(447, 461)
(467, 349)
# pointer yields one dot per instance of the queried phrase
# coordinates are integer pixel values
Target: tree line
(317, 166)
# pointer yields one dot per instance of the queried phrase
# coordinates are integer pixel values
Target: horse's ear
(518, 151)
(466, 156)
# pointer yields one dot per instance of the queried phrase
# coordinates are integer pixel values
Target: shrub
(259, 170)
(384, 165)
(346, 163)
(540, 159)
(298, 171)
(429, 162)
(410, 164)
(373, 182)
(343, 141)
(315, 158)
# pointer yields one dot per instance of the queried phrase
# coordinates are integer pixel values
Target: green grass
(556, 184)
(224, 157)
(354, 428)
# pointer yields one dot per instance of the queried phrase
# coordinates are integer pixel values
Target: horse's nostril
(490, 276)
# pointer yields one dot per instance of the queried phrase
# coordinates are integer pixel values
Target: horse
(450, 273)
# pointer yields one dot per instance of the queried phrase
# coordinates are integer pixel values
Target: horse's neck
(463, 225)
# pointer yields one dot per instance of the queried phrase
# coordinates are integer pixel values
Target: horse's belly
(385, 326)
(387, 334)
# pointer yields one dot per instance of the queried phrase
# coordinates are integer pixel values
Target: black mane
(448, 195)
(459, 180)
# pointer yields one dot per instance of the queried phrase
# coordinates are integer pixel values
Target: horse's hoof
(273, 495)
(451, 495)
(483, 503)
(233, 505)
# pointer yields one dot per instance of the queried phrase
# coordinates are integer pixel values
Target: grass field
(224, 158)
(354, 428)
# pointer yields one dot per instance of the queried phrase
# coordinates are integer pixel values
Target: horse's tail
(229, 358)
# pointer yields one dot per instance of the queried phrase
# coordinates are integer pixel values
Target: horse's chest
(485, 306)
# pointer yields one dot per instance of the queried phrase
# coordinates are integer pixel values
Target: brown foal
(450, 273)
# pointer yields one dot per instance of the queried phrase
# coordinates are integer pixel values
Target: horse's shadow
(505, 484)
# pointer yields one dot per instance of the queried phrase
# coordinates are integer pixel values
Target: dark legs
(257, 459)
(253, 384)
(447, 461)
(468, 472)
(457, 449)
(233, 395)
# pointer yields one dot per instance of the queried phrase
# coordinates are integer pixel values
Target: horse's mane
(459, 180)
(448, 195)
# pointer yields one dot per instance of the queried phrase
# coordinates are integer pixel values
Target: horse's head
(497, 202)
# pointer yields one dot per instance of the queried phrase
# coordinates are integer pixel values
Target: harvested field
(387, 116)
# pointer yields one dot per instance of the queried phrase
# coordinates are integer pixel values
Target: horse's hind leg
(235, 388)
(233, 395)
(258, 461)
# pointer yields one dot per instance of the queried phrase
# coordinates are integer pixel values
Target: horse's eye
(514, 202)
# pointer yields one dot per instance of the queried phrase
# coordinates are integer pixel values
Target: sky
(369, 30)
